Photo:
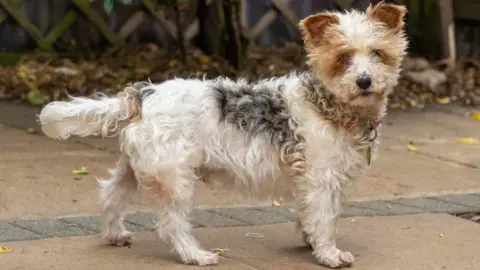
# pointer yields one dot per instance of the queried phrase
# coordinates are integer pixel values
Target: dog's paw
(203, 258)
(336, 258)
(122, 239)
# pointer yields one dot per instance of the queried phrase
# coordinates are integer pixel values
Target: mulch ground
(40, 78)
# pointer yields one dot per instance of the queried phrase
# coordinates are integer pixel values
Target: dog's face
(357, 55)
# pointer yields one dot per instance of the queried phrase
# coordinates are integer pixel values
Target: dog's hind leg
(115, 194)
(172, 223)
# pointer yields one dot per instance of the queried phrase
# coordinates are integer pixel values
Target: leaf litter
(38, 78)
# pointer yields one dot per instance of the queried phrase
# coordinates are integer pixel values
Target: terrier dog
(310, 134)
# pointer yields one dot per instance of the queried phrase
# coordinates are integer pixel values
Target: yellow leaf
(353, 220)
(219, 250)
(172, 62)
(441, 235)
(81, 171)
(275, 203)
(444, 100)
(389, 206)
(5, 250)
(467, 141)
(476, 116)
(412, 147)
(204, 59)
(31, 130)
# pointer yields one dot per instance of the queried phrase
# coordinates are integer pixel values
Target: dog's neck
(354, 119)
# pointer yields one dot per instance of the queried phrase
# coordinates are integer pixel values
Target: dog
(308, 133)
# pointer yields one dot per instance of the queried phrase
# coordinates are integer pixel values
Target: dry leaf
(353, 220)
(5, 250)
(441, 235)
(81, 171)
(443, 100)
(467, 140)
(275, 203)
(476, 116)
(412, 147)
(389, 206)
(255, 235)
(31, 130)
(219, 250)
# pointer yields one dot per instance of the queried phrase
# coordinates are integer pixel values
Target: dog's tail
(91, 116)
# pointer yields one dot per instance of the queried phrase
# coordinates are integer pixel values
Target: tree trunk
(210, 38)
(235, 49)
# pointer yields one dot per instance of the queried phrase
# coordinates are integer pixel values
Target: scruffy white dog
(310, 134)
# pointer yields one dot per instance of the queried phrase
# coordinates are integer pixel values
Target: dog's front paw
(122, 239)
(203, 258)
(335, 258)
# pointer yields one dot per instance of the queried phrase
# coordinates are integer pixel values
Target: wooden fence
(82, 25)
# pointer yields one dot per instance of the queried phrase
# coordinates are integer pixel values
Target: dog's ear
(313, 27)
(391, 15)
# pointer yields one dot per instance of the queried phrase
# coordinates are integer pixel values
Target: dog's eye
(377, 53)
(344, 58)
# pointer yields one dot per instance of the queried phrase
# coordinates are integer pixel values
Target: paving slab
(412, 242)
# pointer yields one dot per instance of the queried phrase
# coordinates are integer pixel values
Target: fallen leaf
(81, 171)
(31, 130)
(275, 203)
(443, 100)
(220, 250)
(353, 220)
(71, 227)
(476, 116)
(389, 206)
(5, 250)
(411, 147)
(204, 59)
(467, 140)
(441, 235)
(36, 98)
(255, 235)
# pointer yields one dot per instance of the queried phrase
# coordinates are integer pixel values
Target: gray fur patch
(256, 111)
(261, 111)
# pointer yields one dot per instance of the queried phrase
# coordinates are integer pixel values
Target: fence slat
(61, 26)
(286, 12)
(4, 15)
(267, 19)
(27, 26)
(159, 16)
(132, 24)
(92, 15)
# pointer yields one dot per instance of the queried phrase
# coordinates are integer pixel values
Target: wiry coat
(300, 134)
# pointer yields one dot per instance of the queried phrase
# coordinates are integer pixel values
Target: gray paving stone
(467, 199)
(212, 219)
(9, 232)
(49, 228)
(91, 223)
(139, 221)
(351, 210)
(389, 208)
(285, 210)
(435, 206)
(252, 216)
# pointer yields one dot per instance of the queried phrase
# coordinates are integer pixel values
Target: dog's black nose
(364, 82)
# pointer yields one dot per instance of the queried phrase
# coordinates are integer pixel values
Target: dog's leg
(319, 208)
(172, 218)
(114, 195)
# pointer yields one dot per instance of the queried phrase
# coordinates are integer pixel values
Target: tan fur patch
(313, 27)
(391, 15)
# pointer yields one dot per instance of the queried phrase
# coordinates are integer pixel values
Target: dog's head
(357, 55)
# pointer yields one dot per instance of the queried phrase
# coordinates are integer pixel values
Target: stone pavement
(385, 221)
